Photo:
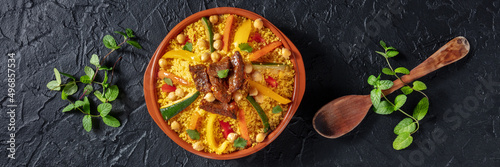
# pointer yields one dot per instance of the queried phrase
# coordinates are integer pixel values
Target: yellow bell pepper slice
(242, 34)
(182, 54)
(268, 92)
(211, 138)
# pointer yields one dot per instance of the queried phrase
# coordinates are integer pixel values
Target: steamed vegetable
(176, 79)
(174, 109)
(243, 32)
(209, 31)
(264, 50)
(261, 113)
(182, 54)
(227, 32)
(268, 92)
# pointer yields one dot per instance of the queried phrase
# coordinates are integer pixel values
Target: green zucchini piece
(176, 108)
(261, 113)
(210, 32)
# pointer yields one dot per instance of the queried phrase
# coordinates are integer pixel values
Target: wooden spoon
(343, 114)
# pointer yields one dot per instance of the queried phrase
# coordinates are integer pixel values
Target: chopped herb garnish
(240, 142)
(188, 46)
(277, 109)
(223, 73)
(168, 81)
(193, 134)
(245, 47)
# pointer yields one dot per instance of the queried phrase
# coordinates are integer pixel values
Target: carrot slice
(264, 50)
(243, 127)
(194, 121)
(176, 79)
(227, 32)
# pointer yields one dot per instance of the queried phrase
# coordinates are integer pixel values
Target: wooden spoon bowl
(343, 114)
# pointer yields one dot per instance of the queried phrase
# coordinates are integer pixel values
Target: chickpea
(248, 68)
(215, 57)
(260, 137)
(198, 146)
(209, 97)
(175, 126)
(231, 137)
(181, 38)
(253, 92)
(258, 24)
(218, 44)
(202, 44)
(217, 36)
(237, 96)
(171, 96)
(205, 57)
(260, 98)
(256, 76)
(214, 19)
(179, 93)
(163, 63)
(286, 53)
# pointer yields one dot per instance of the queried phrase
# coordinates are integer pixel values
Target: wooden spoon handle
(451, 52)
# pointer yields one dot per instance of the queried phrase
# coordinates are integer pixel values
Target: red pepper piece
(257, 38)
(226, 128)
(271, 81)
(167, 88)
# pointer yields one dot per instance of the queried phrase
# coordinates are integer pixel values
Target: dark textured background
(337, 41)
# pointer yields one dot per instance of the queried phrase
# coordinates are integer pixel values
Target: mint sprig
(407, 126)
(109, 92)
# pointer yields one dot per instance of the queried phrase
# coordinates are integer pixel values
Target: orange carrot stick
(243, 126)
(227, 32)
(194, 121)
(176, 79)
(264, 50)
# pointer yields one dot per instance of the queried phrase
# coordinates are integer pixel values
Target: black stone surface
(337, 40)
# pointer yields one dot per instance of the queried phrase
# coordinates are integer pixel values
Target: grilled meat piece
(200, 77)
(219, 89)
(237, 77)
(220, 108)
(223, 64)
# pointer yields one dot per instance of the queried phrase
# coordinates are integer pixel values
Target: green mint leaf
(64, 96)
(421, 109)
(98, 94)
(109, 42)
(89, 72)
(387, 71)
(168, 81)
(381, 53)
(399, 101)
(193, 134)
(67, 75)
(188, 46)
(385, 84)
(277, 109)
(418, 85)
(105, 68)
(70, 88)
(402, 141)
(79, 103)
(85, 79)
(372, 80)
(121, 33)
(88, 89)
(223, 73)
(240, 143)
(384, 108)
(104, 109)
(130, 33)
(382, 43)
(53, 85)
(58, 76)
(375, 96)
(68, 108)
(406, 90)
(86, 105)
(111, 121)
(392, 53)
(390, 48)
(402, 70)
(245, 47)
(134, 44)
(105, 77)
(87, 123)
(112, 93)
(405, 126)
(95, 60)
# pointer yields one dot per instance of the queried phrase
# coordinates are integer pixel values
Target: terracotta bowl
(151, 74)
